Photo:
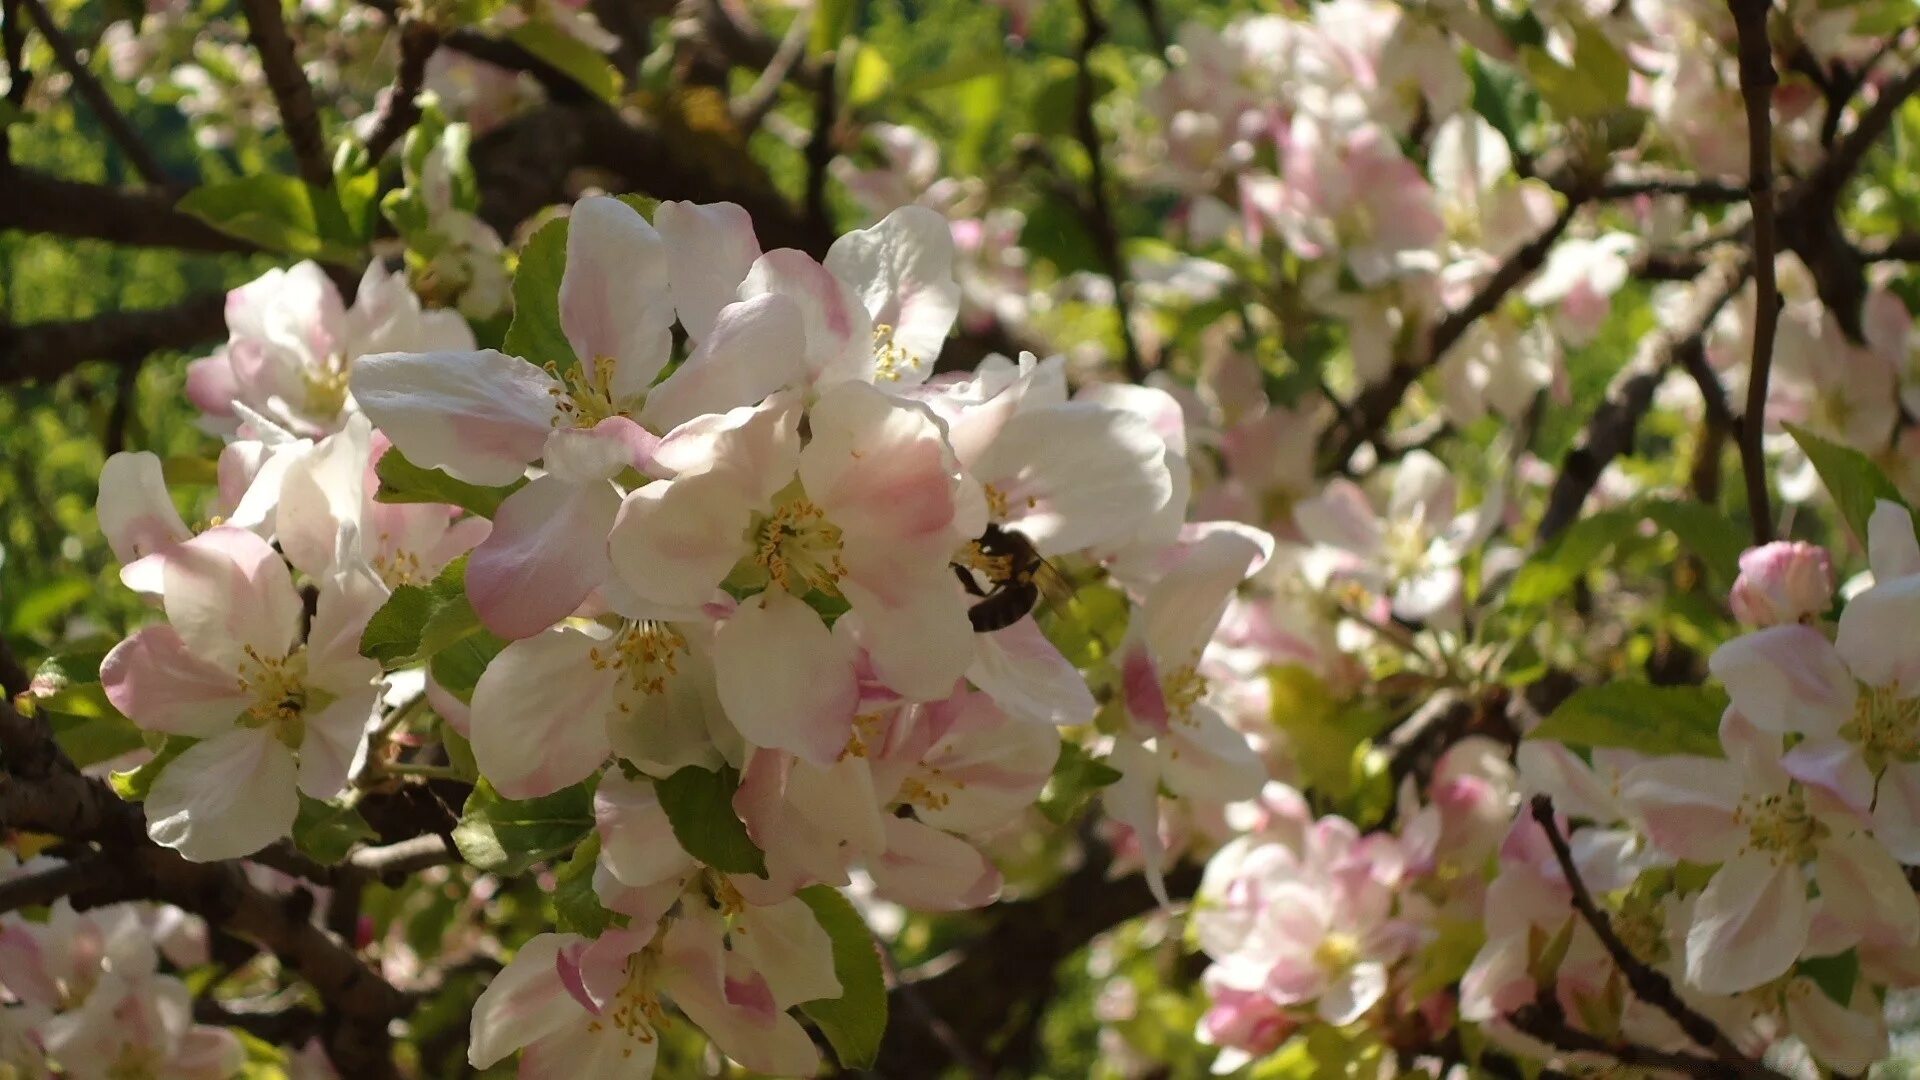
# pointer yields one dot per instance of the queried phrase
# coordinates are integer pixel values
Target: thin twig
(96, 97)
(819, 155)
(1099, 204)
(1757, 79)
(43, 888)
(48, 350)
(1648, 984)
(752, 107)
(267, 27)
(418, 42)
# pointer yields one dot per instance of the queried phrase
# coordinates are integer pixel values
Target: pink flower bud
(1782, 582)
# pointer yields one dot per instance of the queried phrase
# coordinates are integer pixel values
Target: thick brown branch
(1544, 1020)
(32, 201)
(267, 27)
(1099, 203)
(1649, 985)
(48, 350)
(43, 888)
(96, 96)
(1609, 432)
(1367, 416)
(418, 42)
(1757, 79)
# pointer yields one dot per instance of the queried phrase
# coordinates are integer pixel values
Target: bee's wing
(1055, 586)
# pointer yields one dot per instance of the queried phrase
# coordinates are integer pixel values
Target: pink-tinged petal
(1835, 765)
(1687, 805)
(333, 743)
(137, 516)
(680, 724)
(925, 869)
(1893, 551)
(1874, 635)
(1896, 811)
(524, 1002)
(785, 943)
(839, 334)
(211, 384)
(902, 270)
(540, 714)
(674, 541)
(1140, 688)
(810, 821)
(985, 769)
(614, 304)
(1350, 994)
(729, 1001)
(1340, 516)
(322, 496)
(1787, 678)
(1028, 676)
(1849, 1040)
(749, 354)
(1205, 759)
(1864, 889)
(710, 248)
(1077, 475)
(346, 601)
(636, 840)
(228, 590)
(160, 685)
(25, 964)
(786, 681)
(1550, 768)
(913, 625)
(586, 455)
(1748, 926)
(879, 468)
(1182, 609)
(757, 447)
(480, 416)
(547, 551)
(224, 798)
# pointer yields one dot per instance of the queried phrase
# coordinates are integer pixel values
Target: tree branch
(267, 27)
(96, 96)
(32, 201)
(418, 42)
(48, 350)
(1367, 416)
(1649, 985)
(1609, 433)
(1099, 206)
(1757, 79)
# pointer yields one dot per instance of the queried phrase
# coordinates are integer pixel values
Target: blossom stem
(1757, 79)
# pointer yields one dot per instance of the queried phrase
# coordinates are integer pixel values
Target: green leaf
(1639, 716)
(133, 784)
(855, 1021)
(576, 907)
(1836, 974)
(574, 58)
(1329, 737)
(1077, 777)
(326, 832)
(699, 805)
(870, 79)
(1592, 86)
(1552, 571)
(401, 481)
(418, 621)
(35, 611)
(536, 335)
(832, 21)
(68, 693)
(502, 836)
(278, 212)
(1851, 478)
(458, 667)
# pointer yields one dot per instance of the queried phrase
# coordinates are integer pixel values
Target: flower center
(1403, 547)
(1781, 826)
(890, 360)
(399, 568)
(635, 1009)
(585, 394)
(326, 387)
(1885, 727)
(1337, 951)
(280, 693)
(932, 789)
(1183, 687)
(799, 548)
(643, 655)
